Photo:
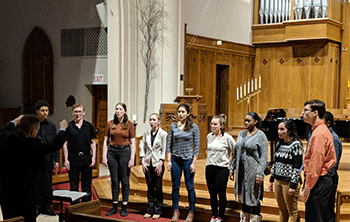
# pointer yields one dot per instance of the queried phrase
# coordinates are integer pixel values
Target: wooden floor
(138, 193)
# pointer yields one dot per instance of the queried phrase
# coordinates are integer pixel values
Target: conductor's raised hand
(16, 121)
(63, 124)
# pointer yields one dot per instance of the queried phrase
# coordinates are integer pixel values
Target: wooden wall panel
(201, 60)
(344, 92)
(236, 111)
(335, 78)
(291, 73)
(207, 80)
(319, 73)
(192, 68)
(283, 73)
(301, 78)
(265, 63)
(294, 73)
(334, 10)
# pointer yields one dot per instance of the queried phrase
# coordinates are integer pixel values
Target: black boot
(124, 211)
(113, 211)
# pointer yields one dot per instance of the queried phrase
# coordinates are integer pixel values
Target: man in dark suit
(46, 134)
(22, 170)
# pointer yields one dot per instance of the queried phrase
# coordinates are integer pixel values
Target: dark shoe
(112, 212)
(124, 211)
(49, 212)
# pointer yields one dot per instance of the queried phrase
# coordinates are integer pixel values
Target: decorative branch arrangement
(151, 26)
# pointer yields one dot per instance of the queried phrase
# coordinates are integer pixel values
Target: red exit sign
(97, 79)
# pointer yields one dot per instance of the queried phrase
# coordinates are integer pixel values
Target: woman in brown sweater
(118, 154)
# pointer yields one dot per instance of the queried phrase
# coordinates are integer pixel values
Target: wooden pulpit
(199, 111)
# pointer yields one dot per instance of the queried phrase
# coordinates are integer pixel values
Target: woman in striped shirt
(182, 153)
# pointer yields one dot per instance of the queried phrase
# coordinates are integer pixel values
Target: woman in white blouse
(152, 152)
(220, 147)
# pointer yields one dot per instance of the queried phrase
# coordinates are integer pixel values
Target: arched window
(37, 71)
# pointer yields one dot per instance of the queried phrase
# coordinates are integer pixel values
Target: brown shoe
(176, 216)
(189, 217)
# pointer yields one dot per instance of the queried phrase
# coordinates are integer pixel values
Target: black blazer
(22, 168)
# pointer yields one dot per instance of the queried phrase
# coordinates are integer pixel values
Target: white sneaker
(212, 219)
(218, 219)
(147, 215)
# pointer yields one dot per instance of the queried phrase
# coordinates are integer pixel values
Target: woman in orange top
(119, 155)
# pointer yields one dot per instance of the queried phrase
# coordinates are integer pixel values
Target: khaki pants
(288, 205)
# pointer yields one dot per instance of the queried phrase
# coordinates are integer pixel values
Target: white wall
(229, 20)
(18, 19)
(223, 19)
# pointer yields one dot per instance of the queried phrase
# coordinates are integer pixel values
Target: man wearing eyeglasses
(320, 157)
(80, 151)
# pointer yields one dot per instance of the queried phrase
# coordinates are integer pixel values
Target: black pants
(317, 206)
(155, 190)
(80, 165)
(252, 210)
(118, 159)
(217, 178)
(335, 179)
(47, 200)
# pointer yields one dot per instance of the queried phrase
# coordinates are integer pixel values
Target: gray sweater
(183, 144)
(249, 149)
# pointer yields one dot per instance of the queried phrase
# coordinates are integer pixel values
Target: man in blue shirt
(328, 119)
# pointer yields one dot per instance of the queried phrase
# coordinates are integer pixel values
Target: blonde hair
(155, 114)
(78, 105)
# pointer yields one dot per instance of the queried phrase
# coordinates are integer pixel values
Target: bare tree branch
(151, 16)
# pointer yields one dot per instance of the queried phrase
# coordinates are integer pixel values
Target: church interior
(218, 56)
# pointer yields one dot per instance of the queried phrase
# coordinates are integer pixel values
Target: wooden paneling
(297, 30)
(265, 64)
(345, 58)
(207, 82)
(334, 10)
(313, 29)
(270, 33)
(294, 73)
(201, 59)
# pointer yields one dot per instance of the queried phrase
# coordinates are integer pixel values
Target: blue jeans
(178, 164)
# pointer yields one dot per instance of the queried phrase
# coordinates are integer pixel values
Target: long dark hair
(291, 128)
(189, 121)
(256, 117)
(125, 123)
